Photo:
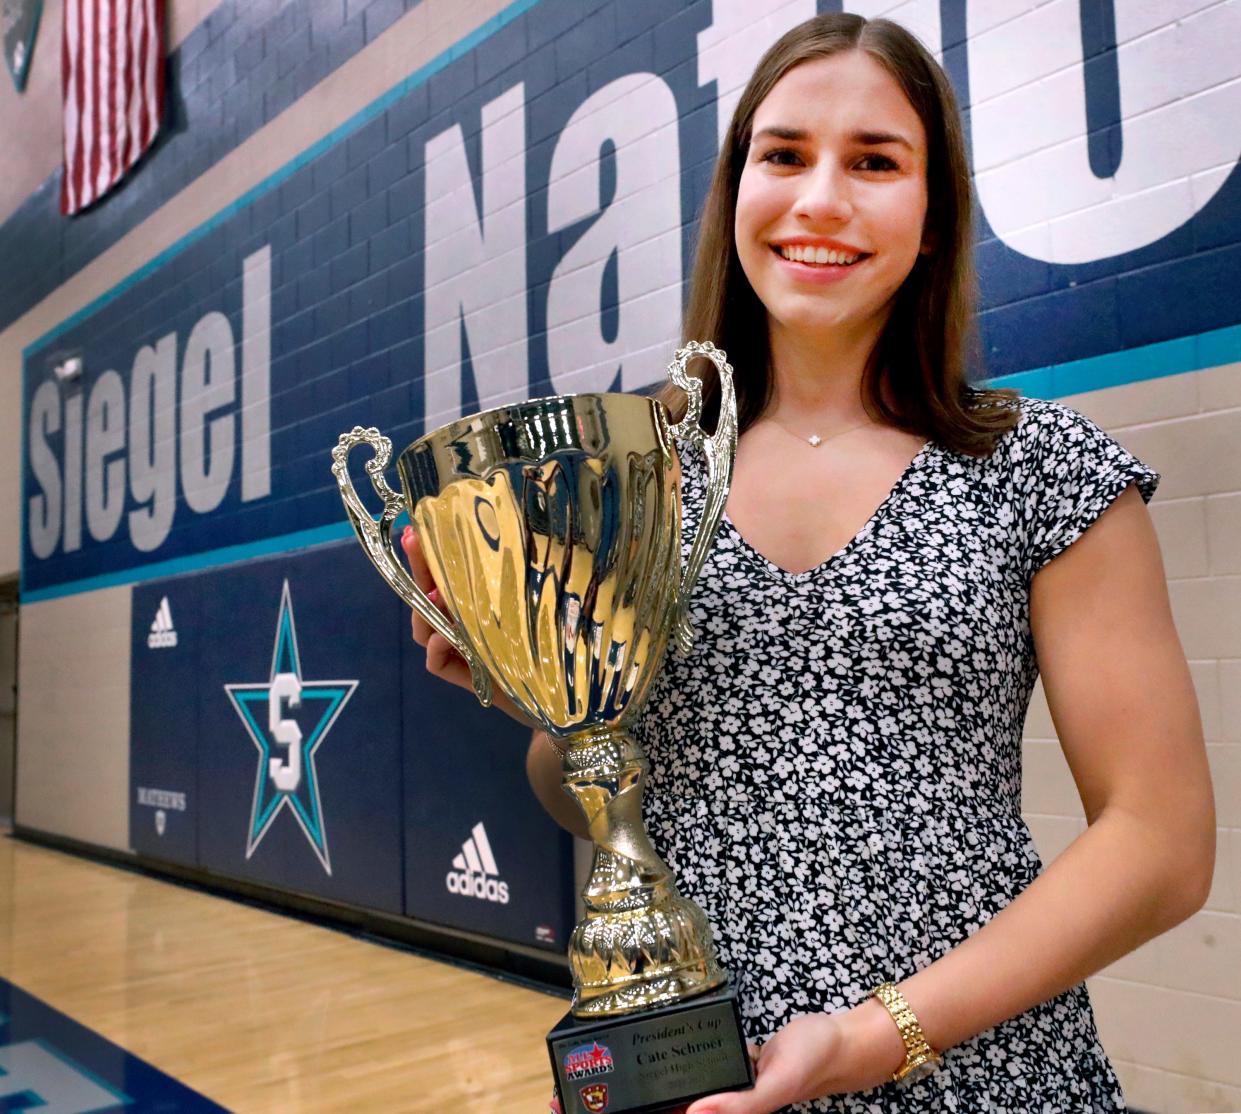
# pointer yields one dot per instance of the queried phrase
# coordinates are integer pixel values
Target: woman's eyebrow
(795, 135)
(878, 139)
(864, 138)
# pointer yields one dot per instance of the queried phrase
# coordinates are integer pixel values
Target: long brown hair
(931, 332)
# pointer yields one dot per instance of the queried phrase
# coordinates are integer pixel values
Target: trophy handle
(720, 450)
(376, 539)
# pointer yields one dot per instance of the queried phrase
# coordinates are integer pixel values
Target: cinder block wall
(1169, 1013)
(1066, 115)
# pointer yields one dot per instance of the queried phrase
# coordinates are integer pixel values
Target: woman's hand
(816, 1055)
(442, 660)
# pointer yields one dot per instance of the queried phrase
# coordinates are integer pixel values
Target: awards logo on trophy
(553, 532)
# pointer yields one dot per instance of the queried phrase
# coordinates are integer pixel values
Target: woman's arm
(1127, 716)
(543, 768)
(1125, 710)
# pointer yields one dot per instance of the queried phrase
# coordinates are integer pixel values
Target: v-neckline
(867, 528)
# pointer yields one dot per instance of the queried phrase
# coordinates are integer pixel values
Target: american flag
(112, 79)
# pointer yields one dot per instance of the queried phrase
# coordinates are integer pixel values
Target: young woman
(836, 767)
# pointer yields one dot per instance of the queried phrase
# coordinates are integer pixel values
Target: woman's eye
(885, 162)
(781, 156)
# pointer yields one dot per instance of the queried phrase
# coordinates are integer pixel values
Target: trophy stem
(641, 943)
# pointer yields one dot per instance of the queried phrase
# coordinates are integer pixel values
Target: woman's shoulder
(1033, 413)
(1055, 446)
(1043, 425)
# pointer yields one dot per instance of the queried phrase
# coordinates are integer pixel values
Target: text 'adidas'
(474, 872)
(163, 636)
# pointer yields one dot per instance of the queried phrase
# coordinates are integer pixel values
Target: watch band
(920, 1058)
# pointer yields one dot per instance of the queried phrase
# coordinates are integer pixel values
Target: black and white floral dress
(836, 766)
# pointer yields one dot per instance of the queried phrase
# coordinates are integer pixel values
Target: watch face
(919, 1073)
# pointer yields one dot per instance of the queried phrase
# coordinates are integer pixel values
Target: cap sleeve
(1076, 472)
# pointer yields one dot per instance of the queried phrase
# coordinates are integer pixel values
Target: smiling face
(831, 203)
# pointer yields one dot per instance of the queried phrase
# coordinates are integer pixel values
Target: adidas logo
(474, 872)
(162, 635)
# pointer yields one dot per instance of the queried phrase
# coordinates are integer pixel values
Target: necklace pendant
(815, 440)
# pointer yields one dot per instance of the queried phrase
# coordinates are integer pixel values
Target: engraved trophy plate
(553, 531)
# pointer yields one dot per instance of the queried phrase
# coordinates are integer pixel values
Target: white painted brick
(1187, 1095)
(1197, 456)
(1053, 834)
(1182, 528)
(1205, 675)
(1150, 400)
(1223, 526)
(1234, 839)
(1018, 123)
(1222, 898)
(1196, 56)
(1141, 17)
(1144, 964)
(1145, 1088)
(1038, 723)
(1048, 788)
(1086, 233)
(986, 15)
(1191, 125)
(1161, 84)
(73, 732)
(920, 17)
(1225, 759)
(1041, 40)
(1189, 1034)
(1230, 700)
(1207, 183)
(1208, 615)
(1219, 388)
(1203, 954)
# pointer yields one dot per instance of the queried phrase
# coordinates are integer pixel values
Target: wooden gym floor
(262, 1012)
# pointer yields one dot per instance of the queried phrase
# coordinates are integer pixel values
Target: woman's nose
(825, 195)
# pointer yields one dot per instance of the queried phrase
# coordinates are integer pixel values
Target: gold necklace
(814, 440)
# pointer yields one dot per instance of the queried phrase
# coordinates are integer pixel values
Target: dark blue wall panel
(337, 833)
(466, 768)
(165, 649)
(333, 828)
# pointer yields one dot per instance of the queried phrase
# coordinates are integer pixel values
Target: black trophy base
(652, 1061)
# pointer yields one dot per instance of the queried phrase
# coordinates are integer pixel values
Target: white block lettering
(476, 263)
(153, 442)
(73, 472)
(286, 773)
(256, 375)
(105, 471)
(739, 35)
(640, 228)
(1031, 151)
(208, 383)
(43, 523)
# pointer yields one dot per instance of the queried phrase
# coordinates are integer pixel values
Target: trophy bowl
(552, 529)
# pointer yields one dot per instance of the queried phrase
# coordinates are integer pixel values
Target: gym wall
(389, 213)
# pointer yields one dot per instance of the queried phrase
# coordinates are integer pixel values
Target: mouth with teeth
(818, 256)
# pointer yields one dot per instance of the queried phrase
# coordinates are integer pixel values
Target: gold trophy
(553, 531)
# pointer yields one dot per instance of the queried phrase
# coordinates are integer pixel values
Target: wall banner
(271, 726)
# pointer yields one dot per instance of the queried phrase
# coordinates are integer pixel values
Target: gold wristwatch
(920, 1058)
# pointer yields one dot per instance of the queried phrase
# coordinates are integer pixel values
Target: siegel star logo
(286, 776)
